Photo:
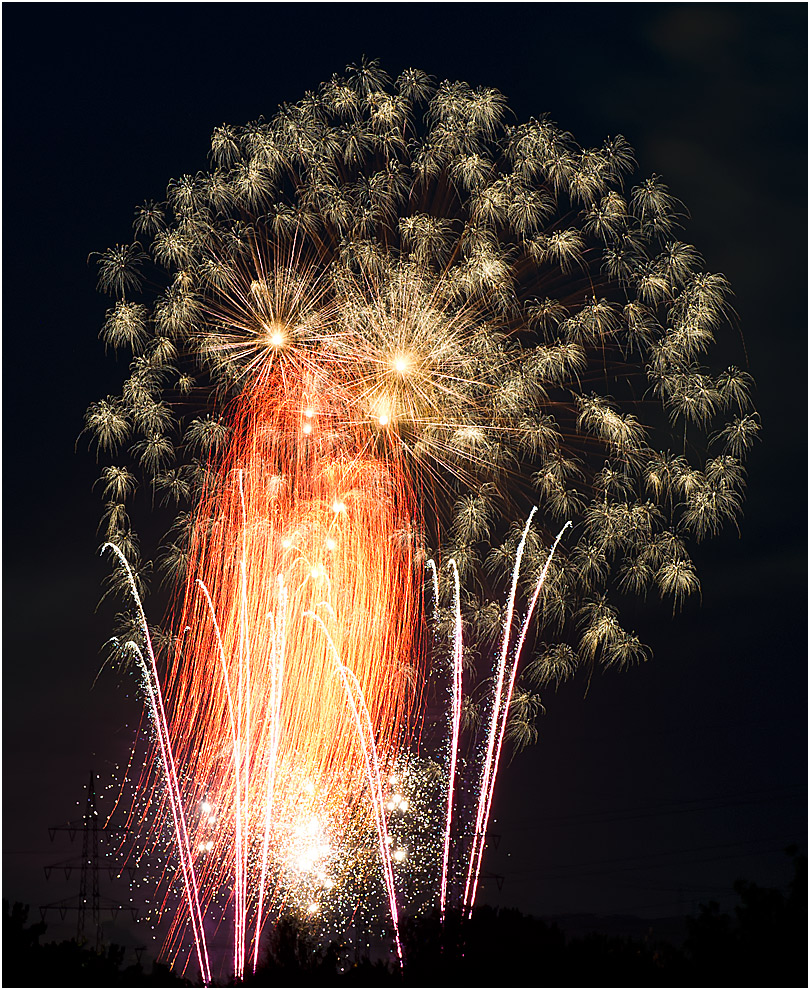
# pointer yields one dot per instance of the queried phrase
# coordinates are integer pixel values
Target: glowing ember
(392, 325)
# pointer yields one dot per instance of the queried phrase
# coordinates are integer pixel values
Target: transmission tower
(88, 901)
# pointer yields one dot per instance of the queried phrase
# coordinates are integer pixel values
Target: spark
(383, 380)
(152, 684)
(492, 764)
(489, 764)
(455, 721)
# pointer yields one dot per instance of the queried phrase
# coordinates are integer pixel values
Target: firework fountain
(390, 365)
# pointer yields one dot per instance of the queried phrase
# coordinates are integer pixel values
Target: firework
(393, 333)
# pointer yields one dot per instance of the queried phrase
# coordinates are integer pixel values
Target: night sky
(660, 786)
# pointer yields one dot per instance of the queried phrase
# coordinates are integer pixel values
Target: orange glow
(303, 543)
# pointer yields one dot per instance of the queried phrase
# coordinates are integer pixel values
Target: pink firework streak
(500, 711)
(239, 716)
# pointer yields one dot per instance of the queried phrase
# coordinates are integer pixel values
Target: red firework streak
(292, 689)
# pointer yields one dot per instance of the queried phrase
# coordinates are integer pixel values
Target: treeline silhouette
(70, 963)
(762, 944)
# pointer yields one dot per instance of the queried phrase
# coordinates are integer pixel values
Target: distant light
(205, 807)
(384, 420)
(209, 845)
(309, 413)
(307, 427)
(312, 907)
(338, 506)
(330, 544)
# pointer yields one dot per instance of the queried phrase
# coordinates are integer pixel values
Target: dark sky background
(664, 784)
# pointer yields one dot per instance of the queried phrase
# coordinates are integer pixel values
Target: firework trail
(304, 531)
(500, 710)
(455, 721)
(152, 682)
(391, 328)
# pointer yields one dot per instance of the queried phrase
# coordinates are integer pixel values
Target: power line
(679, 807)
(678, 852)
(88, 900)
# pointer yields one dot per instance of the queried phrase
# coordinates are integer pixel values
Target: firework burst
(386, 328)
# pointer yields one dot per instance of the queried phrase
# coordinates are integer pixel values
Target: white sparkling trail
(373, 775)
(277, 678)
(486, 776)
(508, 700)
(456, 728)
(242, 761)
(221, 659)
(432, 565)
(181, 832)
(277, 650)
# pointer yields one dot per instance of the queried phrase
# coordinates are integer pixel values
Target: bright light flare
(402, 363)
(277, 334)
